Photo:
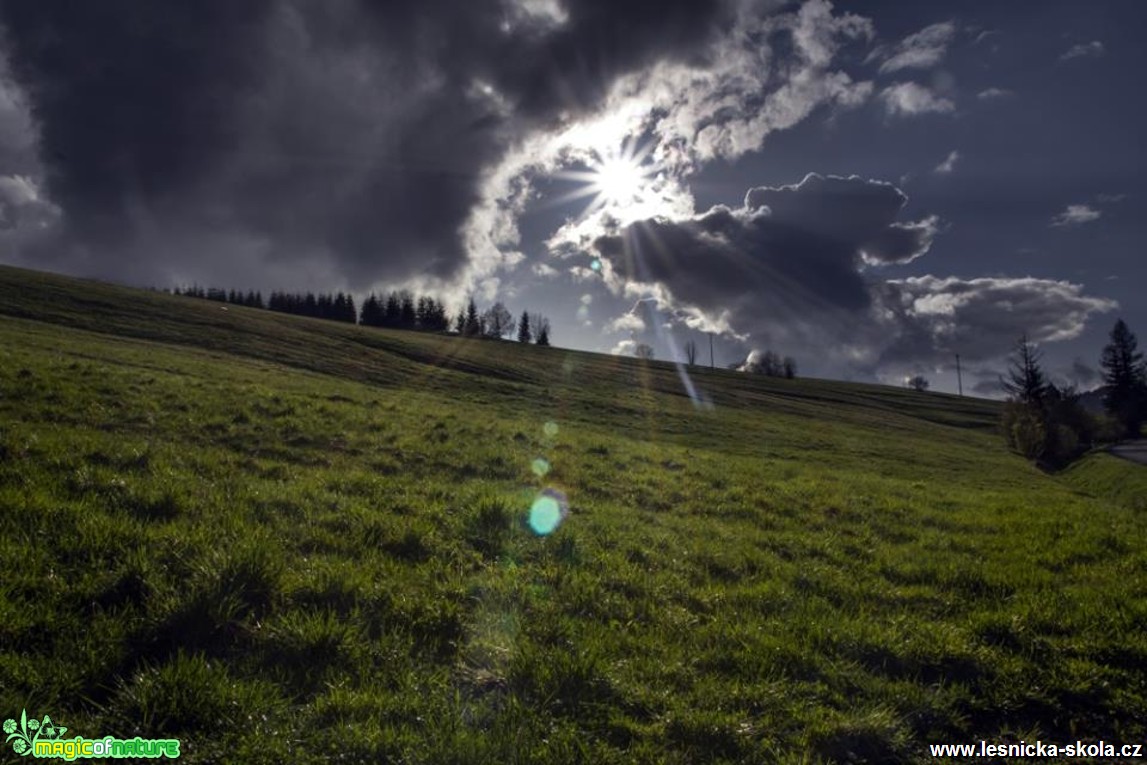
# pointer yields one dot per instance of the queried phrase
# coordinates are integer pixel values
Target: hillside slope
(278, 539)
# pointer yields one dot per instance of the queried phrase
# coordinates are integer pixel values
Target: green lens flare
(540, 466)
(547, 512)
(550, 429)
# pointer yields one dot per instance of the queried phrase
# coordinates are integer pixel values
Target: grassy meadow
(287, 540)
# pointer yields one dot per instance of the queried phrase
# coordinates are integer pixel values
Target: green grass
(281, 539)
(1110, 479)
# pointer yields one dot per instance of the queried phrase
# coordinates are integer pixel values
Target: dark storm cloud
(792, 269)
(222, 137)
(854, 215)
(790, 253)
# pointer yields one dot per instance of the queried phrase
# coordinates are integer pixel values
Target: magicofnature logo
(44, 739)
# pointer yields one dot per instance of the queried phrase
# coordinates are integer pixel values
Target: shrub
(1052, 431)
(1024, 429)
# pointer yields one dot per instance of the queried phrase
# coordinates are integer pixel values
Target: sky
(869, 187)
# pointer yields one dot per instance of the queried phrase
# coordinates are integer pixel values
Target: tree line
(251, 298)
(497, 322)
(398, 309)
(336, 306)
(402, 310)
(1048, 424)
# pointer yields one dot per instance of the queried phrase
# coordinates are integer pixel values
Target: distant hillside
(1092, 400)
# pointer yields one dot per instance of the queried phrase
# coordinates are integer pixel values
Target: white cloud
(623, 348)
(627, 322)
(921, 50)
(544, 270)
(1076, 215)
(949, 164)
(1104, 199)
(545, 15)
(982, 317)
(910, 99)
(1082, 50)
(990, 94)
(731, 106)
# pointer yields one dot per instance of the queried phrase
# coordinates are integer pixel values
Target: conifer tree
(1026, 381)
(524, 335)
(409, 317)
(1125, 376)
(371, 314)
(473, 326)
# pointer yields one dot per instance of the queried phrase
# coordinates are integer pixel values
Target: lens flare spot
(595, 264)
(547, 512)
(550, 429)
(540, 466)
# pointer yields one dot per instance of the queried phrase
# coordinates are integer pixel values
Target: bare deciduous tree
(540, 326)
(918, 383)
(498, 321)
(643, 351)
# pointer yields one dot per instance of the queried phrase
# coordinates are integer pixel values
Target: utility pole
(711, 365)
(959, 377)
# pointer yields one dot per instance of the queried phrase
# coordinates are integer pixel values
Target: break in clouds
(354, 143)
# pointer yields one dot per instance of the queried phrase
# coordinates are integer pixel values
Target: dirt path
(1136, 451)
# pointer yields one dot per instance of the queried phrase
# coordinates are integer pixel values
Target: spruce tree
(473, 326)
(524, 335)
(392, 316)
(1126, 379)
(409, 316)
(438, 320)
(371, 312)
(1026, 381)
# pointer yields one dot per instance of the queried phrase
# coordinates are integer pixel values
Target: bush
(1051, 432)
(1024, 430)
(1108, 430)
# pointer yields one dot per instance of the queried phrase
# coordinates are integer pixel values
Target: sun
(620, 180)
